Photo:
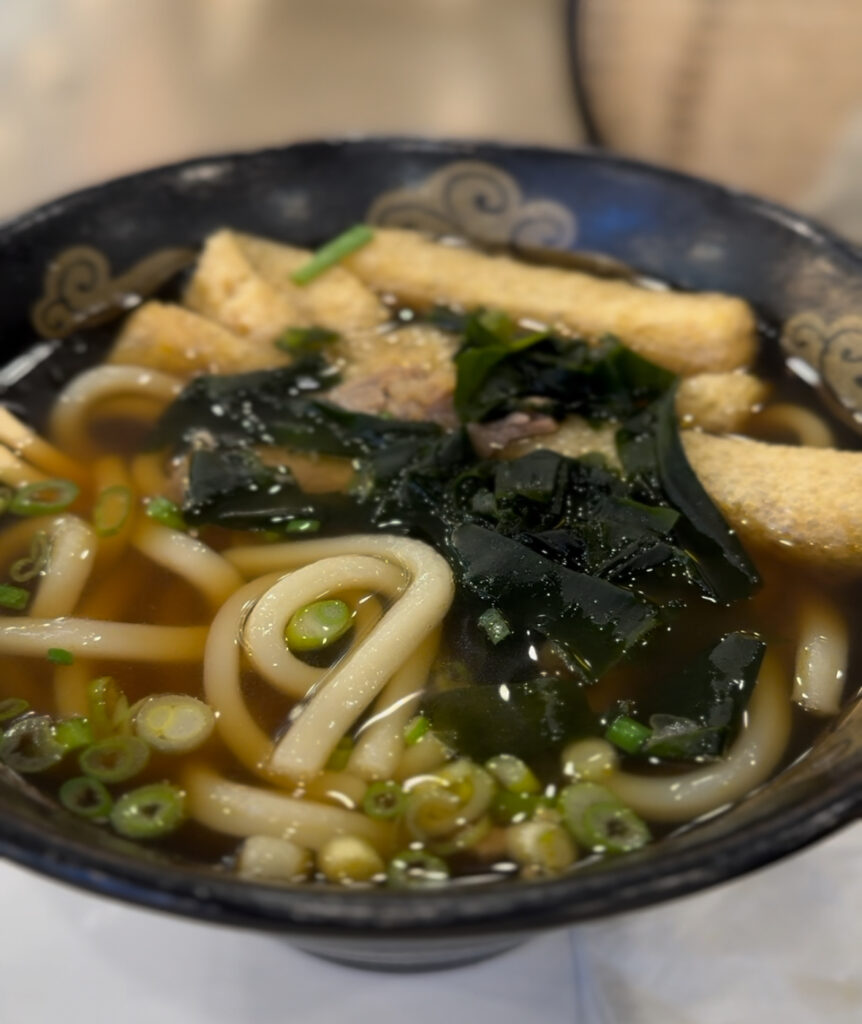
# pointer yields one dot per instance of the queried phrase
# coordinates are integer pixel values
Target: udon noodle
(430, 593)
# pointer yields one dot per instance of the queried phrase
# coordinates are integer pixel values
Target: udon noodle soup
(401, 562)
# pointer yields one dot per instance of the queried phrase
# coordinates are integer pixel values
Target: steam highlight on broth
(389, 566)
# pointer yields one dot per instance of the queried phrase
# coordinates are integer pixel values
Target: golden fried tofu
(226, 288)
(687, 333)
(719, 402)
(244, 283)
(414, 346)
(802, 504)
(175, 340)
(336, 299)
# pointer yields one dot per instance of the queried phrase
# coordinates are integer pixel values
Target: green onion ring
(111, 510)
(29, 745)
(114, 759)
(44, 498)
(86, 797)
(149, 812)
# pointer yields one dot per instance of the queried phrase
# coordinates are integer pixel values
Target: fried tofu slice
(415, 346)
(686, 333)
(802, 504)
(175, 340)
(244, 283)
(720, 403)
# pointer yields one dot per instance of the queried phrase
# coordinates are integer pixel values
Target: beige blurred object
(761, 94)
(95, 88)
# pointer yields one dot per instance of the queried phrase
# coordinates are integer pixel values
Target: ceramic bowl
(69, 268)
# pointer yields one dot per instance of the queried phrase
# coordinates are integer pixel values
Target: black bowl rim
(510, 906)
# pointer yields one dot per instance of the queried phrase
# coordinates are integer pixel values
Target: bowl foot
(409, 955)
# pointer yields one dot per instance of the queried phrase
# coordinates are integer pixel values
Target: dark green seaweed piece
(231, 487)
(240, 407)
(489, 339)
(721, 558)
(695, 712)
(593, 621)
(675, 738)
(528, 719)
(501, 368)
(273, 408)
(305, 340)
(654, 458)
(321, 426)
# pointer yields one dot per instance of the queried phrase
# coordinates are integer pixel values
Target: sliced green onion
(108, 707)
(541, 845)
(341, 755)
(415, 869)
(12, 707)
(60, 656)
(149, 812)
(464, 838)
(302, 526)
(166, 512)
(303, 340)
(610, 828)
(73, 733)
(270, 859)
(13, 597)
(349, 859)
(473, 786)
(115, 759)
(573, 802)
(29, 745)
(174, 723)
(415, 730)
(6, 494)
(29, 567)
(589, 760)
(44, 498)
(513, 774)
(492, 623)
(627, 734)
(384, 800)
(509, 808)
(87, 798)
(317, 625)
(432, 811)
(111, 511)
(333, 252)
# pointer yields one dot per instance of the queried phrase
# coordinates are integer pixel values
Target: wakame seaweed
(281, 407)
(592, 621)
(240, 408)
(571, 552)
(710, 692)
(531, 719)
(653, 456)
(695, 713)
(501, 369)
(233, 488)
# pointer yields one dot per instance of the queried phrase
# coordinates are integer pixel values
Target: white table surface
(783, 945)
